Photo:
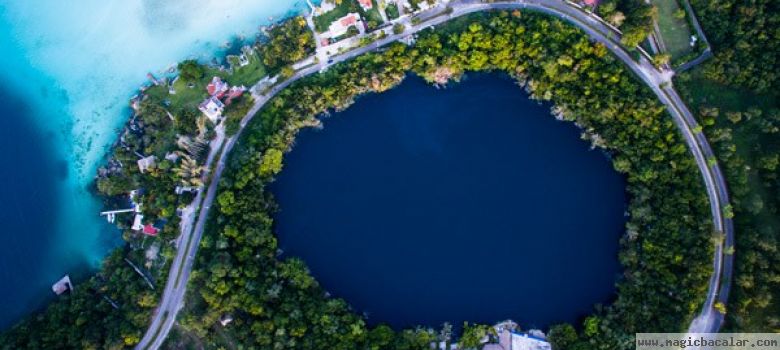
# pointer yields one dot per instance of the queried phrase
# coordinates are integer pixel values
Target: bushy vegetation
(666, 249)
(633, 17)
(289, 42)
(745, 40)
(109, 311)
(735, 97)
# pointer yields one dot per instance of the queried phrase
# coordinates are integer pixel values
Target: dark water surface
(420, 206)
(28, 207)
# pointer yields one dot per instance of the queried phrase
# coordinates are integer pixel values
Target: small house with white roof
(212, 108)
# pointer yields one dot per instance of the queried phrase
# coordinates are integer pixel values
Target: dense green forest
(746, 40)
(735, 96)
(666, 249)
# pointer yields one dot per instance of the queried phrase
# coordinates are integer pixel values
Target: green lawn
(701, 91)
(322, 22)
(675, 32)
(371, 16)
(249, 74)
(185, 97)
(392, 11)
(190, 96)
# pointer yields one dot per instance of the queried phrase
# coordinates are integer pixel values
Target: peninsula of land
(192, 166)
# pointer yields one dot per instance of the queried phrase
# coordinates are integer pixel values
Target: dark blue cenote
(421, 206)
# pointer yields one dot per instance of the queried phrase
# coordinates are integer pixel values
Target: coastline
(82, 133)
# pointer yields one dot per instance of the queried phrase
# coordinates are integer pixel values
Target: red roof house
(217, 87)
(366, 4)
(348, 20)
(150, 230)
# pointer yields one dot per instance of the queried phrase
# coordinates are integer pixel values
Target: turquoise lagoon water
(67, 70)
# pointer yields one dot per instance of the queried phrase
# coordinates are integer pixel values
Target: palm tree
(195, 147)
(190, 171)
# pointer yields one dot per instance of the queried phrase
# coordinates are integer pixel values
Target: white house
(138, 224)
(212, 107)
(146, 163)
(340, 26)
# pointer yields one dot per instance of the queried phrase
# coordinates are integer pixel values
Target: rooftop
(366, 4)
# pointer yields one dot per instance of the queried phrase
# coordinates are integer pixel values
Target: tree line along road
(658, 81)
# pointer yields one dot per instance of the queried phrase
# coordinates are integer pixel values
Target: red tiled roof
(367, 4)
(348, 21)
(590, 2)
(150, 230)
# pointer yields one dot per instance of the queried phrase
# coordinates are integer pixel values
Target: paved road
(659, 82)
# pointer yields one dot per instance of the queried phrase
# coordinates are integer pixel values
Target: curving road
(659, 82)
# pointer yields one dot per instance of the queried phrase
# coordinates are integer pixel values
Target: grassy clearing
(249, 74)
(190, 95)
(701, 91)
(322, 22)
(675, 32)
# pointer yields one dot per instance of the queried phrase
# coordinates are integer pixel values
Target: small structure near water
(146, 163)
(62, 286)
(510, 338)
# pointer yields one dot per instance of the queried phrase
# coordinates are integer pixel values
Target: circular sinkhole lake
(420, 206)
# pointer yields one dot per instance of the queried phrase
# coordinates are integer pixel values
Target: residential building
(235, 92)
(366, 4)
(212, 107)
(340, 26)
(217, 87)
(150, 230)
(146, 163)
(138, 224)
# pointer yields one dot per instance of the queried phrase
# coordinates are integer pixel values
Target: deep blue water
(420, 206)
(28, 209)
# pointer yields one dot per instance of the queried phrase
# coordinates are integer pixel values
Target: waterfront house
(62, 286)
(146, 163)
(138, 222)
(212, 107)
(509, 338)
(366, 4)
(150, 230)
(526, 341)
(217, 87)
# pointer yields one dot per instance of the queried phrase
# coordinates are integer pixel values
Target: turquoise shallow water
(67, 70)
